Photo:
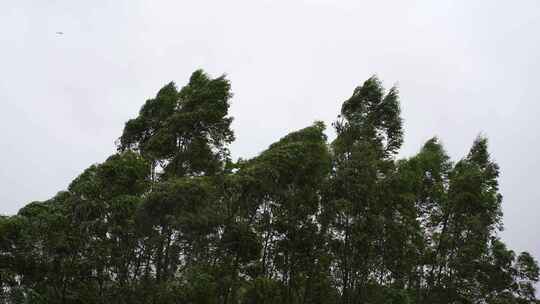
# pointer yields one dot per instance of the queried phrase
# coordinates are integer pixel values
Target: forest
(171, 218)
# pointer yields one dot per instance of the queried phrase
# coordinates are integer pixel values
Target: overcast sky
(463, 68)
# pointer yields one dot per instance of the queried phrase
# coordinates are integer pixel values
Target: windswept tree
(184, 132)
(369, 133)
(171, 218)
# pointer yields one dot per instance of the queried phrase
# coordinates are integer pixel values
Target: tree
(171, 218)
(368, 136)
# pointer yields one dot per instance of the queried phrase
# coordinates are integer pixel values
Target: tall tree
(368, 136)
(171, 219)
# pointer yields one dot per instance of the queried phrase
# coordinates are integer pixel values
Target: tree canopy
(171, 218)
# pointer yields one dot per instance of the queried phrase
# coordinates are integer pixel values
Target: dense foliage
(171, 219)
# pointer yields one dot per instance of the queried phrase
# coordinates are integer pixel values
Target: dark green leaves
(185, 132)
(372, 116)
(172, 219)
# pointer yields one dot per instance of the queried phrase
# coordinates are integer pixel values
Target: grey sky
(463, 68)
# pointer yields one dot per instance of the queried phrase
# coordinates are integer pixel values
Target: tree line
(170, 218)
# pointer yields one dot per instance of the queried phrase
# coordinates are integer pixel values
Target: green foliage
(186, 131)
(172, 219)
(263, 290)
